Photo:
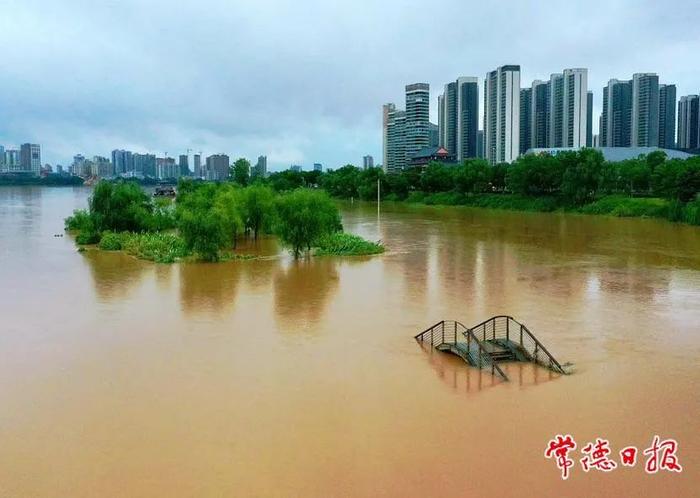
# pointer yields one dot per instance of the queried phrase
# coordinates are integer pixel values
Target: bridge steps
(498, 339)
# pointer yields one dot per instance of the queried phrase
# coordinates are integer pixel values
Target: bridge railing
(443, 332)
(450, 332)
(480, 357)
(506, 327)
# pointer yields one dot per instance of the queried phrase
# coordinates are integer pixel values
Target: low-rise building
(616, 154)
(429, 154)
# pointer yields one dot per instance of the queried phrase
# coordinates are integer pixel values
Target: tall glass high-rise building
(386, 109)
(198, 173)
(145, 165)
(417, 124)
(667, 116)
(467, 117)
(30, 158)
(502, 114)
(184, 165)
(689, 122)
(395, 141)
(394, 134)
(525, 119)
(260, 168)
(447, 121)
(575, 107)
(589, 120)
(539, 114)
(459, 117)
(122, 161)
(616, 118)
(556, 110)
(645, 110)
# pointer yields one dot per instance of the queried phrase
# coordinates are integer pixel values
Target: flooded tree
(303, 216)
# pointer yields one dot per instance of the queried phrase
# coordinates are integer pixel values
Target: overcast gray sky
(300, 81)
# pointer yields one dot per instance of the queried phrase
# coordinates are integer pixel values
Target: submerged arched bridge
(500, 338)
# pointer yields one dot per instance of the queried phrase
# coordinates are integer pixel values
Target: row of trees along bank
(583, 181)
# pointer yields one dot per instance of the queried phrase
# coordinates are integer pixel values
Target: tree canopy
(303, 216)
(240, 171)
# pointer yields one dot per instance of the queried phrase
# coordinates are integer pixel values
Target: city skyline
(186, 85)
(639, 112)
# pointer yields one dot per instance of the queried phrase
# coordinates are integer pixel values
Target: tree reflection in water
(209, 287)
(115, 274)
(302, 291)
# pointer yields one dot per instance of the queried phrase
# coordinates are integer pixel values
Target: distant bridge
(500, 338)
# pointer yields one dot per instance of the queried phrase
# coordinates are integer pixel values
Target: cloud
(300, 81)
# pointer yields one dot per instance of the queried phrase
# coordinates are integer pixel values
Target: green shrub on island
(87, 238)
(346, 244)
(118, 207)
(210, 218)
(303, 217)
(84, 227)
(257, 205)
(228, 207)
(158, 247)
(203, 232)
(80, 220)
(121, 206)
(111, 241)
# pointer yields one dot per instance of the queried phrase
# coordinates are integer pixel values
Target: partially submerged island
(206, 221)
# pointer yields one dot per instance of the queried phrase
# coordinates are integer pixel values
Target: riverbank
(575, 181)
(613, 205)
(19, 180)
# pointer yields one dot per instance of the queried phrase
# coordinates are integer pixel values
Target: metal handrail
(420, 335)
(551, 358)
(493, 318)
(482, 351)
(538, 345)
(444, 334)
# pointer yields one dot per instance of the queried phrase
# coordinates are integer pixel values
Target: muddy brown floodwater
(122, 378)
